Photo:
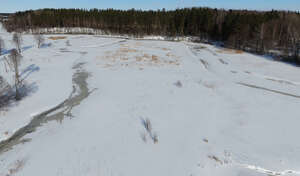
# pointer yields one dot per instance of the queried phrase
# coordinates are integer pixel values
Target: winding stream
(58, 113)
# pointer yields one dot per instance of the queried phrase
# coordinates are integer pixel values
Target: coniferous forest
(253, 31)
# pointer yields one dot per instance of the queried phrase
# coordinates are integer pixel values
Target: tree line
(253, 31)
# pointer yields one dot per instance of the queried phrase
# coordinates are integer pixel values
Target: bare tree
(13, 61)
(2, 46)
(39, 39)
(17, 39)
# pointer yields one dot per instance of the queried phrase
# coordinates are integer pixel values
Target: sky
(20, 5)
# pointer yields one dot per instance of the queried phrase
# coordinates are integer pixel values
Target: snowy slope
(212, 111)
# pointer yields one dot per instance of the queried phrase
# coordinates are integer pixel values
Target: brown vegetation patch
(172, 55)
(165, 49)
(230, 51)
(139, 58)
(137, 44)
(57, 37)
(198, 48)
(127, 57)
(176, 62)
(127, 50)
(154, 58)
(169, 55)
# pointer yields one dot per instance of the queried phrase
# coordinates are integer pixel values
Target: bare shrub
(18, 40)
(148, 126)
(205, 140)
(155, 138)
(178, 84)
(216, 159)
(39, 39)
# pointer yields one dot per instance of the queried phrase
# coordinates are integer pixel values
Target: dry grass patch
(154, 58)
(139, 58)
(127, 57)
(57, 38)
(16, 167)
(176, 62)
(127, 50)
(230, 51)
(169, 55)
(165, 49)
(137, 44)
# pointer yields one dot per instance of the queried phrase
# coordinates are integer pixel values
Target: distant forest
(254, 31)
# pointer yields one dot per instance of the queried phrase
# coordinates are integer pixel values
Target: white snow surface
(213, 111)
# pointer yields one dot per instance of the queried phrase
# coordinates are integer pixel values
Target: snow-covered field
(154, 108)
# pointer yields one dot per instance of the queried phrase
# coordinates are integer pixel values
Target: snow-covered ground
(155, 108)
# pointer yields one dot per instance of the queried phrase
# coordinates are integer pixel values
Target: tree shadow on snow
(7, 97)
(29, 70)
(8, 92)
(6, 51)
(27, 47)
(46, 45)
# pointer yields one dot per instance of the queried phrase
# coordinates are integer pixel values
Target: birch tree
(14, 60)
(2, 46)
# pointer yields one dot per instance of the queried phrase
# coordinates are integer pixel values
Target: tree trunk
(17, 81)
